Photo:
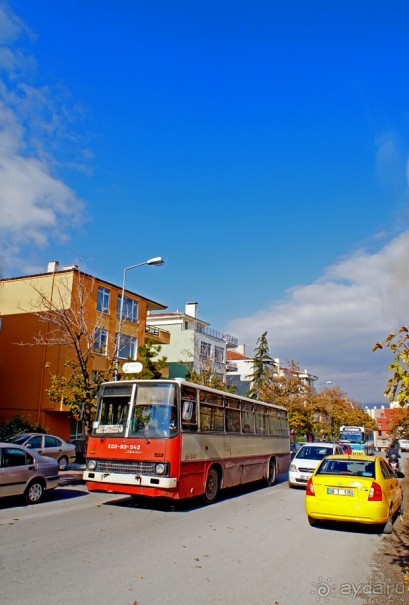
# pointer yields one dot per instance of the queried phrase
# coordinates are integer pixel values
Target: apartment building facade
(26, 368)
(384, 417)
(193, 343)
(240, 368)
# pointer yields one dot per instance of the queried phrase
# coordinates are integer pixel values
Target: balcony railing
(152, 330)
(162, 335)
(230, 340)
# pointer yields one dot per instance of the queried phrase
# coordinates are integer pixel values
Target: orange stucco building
(26, 368)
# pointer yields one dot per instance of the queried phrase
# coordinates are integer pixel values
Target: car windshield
(357, 468)
(19, 439)
(309, 452)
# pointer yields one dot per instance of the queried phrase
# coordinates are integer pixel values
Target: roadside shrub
(19, 424)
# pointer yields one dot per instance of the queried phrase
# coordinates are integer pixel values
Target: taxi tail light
(309, 490)
(375, 493)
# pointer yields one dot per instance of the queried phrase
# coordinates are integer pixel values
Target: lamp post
(156, 261)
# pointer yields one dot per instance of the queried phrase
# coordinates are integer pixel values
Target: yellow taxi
(356, 488)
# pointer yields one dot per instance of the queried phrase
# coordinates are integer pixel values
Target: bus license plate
(337, 491)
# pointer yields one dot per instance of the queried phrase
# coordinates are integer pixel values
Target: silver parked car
(25, 473)
(47, 445)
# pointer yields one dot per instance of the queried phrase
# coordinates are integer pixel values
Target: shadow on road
(189, 504)
(65, 493)
(348, 527)
(50, 496)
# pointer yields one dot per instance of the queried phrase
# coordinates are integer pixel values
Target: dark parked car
(47, 445)
(25, 473)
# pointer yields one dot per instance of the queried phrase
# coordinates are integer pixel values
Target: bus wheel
(212, 486)
(272, 472)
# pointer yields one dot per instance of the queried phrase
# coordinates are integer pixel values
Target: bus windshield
(154, 413)
(352, 437)
(146, 411)
(112, 411)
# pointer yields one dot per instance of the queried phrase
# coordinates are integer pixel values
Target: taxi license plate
(338, 491)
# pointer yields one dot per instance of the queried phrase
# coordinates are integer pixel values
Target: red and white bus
(177, 439)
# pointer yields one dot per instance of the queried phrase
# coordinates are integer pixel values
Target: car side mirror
(400, 475)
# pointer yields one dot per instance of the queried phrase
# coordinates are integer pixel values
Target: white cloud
(36, 206)
(331, 325)
(11, 27)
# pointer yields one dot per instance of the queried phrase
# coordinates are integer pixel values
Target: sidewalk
(73, 474)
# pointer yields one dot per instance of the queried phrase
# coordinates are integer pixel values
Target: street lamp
(156, 261)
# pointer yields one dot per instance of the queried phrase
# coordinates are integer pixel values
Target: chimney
(241, 349)
(53, 266)
(191, 309)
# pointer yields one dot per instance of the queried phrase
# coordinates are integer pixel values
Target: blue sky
(260, 147)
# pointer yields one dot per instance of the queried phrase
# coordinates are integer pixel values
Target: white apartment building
(240, 368)
(193, 344)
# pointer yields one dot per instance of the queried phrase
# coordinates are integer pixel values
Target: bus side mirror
(187, 410)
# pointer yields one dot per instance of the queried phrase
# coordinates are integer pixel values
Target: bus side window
(188, 409)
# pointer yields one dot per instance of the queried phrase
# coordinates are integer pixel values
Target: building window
(103, 299)
(100, 341)
(130, 308)
(127, 346)
(219, 354)
(95, 374)
(205, 349)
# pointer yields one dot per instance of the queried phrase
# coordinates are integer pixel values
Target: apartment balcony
(231, 367)
(157, 335)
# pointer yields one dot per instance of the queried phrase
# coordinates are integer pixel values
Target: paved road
(253, 546)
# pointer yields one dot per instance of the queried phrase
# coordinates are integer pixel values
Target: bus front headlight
(92, 465)
(161, 468)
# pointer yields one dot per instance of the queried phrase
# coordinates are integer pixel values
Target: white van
(404, 445)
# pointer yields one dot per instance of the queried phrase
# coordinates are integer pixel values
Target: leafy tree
(397, 388)
(318, 415)
(19, 424)
(78, 391)
(335, 408)
(288, 390)
(262, 368)
(153, 365)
